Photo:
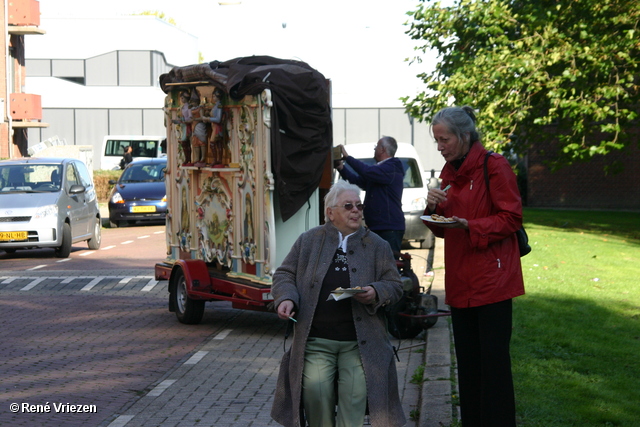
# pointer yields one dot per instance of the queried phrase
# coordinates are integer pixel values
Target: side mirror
(77, 189)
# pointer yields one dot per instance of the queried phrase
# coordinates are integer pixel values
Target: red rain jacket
(482, 263)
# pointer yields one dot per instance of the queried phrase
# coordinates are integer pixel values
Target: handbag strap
(486, 170)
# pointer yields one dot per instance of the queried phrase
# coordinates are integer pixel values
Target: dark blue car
(140, 193)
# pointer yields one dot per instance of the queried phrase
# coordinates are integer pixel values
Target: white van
(144, 147)
(414, 194)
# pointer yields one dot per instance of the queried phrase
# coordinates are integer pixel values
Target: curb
(436, 407)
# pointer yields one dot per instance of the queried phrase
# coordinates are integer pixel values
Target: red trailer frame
(206, 284)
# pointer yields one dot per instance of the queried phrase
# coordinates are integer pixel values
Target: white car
(47, 203)
(414, 194)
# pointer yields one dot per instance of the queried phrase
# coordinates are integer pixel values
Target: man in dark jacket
(127, 157)
(383, 183)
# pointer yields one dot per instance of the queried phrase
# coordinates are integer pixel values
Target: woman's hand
(368, 297)
(285, 309)
(460, 223)
(435, 196)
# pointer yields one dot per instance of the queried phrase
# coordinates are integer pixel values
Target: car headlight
(117, 198)
(46, 212)
(164, 199)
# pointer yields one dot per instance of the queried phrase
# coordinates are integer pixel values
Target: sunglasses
(349, 206)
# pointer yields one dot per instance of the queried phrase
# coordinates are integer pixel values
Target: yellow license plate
(7, 236)
(141, 209)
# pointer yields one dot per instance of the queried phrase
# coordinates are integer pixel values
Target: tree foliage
(159, 15)
(531, 66)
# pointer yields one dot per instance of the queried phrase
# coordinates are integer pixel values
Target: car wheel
(188, 311)
(94, 242)
(114, 224)
(10, 250)
(64, 249)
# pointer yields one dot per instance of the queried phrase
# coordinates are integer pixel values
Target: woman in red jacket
(482, 261)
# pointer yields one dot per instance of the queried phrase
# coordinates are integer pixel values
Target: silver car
(47, 203)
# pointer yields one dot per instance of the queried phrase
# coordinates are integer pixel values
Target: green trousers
(324, 360)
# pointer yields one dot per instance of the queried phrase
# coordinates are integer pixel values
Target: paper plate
(429, 219)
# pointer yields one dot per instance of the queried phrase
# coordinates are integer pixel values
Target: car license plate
(141, 209)
(7, 236)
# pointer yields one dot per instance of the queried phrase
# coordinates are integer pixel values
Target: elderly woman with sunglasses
(341, 354)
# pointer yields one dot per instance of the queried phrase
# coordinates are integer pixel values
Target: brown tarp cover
(301, 129)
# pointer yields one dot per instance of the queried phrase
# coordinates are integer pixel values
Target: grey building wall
(79, 126)
(89, 126)
(358, 125)
(124, 71)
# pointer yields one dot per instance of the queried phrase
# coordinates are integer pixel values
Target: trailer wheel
(401, 327)
(188, 311)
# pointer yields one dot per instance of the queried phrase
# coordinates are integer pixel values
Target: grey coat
(299, 279)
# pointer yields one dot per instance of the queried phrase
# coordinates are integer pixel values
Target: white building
(110, 86)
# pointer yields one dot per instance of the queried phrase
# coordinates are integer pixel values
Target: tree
(159, 15)
(530, 66)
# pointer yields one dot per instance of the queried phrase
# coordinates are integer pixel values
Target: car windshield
(143, 173)
(32, 178)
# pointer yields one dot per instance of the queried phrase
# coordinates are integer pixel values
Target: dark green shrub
(101, 181)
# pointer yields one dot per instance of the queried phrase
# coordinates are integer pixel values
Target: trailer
(248, 163)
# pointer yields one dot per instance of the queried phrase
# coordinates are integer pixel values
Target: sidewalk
(435, 403)
(230, 378)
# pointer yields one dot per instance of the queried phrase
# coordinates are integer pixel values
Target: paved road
(101, 346)
(129, 248)
(102, 341)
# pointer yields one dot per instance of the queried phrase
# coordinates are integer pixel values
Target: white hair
(334, 193)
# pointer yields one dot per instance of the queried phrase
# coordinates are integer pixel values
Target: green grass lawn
(576, 341)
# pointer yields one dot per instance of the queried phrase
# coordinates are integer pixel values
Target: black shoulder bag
(521, 234)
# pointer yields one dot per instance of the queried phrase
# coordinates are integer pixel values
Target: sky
(360, 45)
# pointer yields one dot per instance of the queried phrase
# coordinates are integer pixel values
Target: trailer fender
(196, 275)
